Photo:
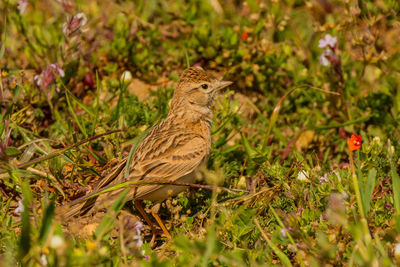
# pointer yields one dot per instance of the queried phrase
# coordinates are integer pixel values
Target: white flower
(377, 140)
(283, 233)
(43, 259)
(57, 68)
(391, 150)
(56, 241)
(137, 239)
(20, 209)
(126, 77)
(323, 59)
(345, 195)
(82, 19)
(302, 176)
(65, 28)
(47, 76)
(397, 250)
(74, 24)
(37, 79)
(327, 41)
(21, 6)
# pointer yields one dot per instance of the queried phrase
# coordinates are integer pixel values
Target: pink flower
(328, 41)
(47, 76)
(22, 5)
(74, 24)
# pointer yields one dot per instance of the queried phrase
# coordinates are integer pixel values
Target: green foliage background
(279, 132)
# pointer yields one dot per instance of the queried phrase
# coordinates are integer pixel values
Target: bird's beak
(222, 84)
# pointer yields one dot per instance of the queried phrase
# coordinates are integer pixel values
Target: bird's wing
(178, 156)
(161, 156)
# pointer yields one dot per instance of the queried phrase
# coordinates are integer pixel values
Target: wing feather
(165, 154)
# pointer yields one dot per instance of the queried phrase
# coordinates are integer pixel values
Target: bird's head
(198, 88)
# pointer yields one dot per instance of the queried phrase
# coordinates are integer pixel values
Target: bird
(172, 151)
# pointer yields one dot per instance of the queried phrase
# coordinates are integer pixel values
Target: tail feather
(82, 205)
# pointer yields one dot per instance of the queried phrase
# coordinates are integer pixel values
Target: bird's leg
(154, 212)
(138, 205)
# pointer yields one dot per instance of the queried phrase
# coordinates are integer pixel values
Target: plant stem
(363, 220)
(356, 186)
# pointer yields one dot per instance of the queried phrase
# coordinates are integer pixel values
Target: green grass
(279, 133)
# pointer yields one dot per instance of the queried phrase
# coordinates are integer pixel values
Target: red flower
(244, 36)
(354, 142)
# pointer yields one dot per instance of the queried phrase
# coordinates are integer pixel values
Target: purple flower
(138, 225)
(47, 76)
(324, 178)
(74, 24)
(328, 41)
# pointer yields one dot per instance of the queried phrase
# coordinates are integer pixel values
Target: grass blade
(396, 186)
(83, 106)
(274, 116)
(107, 222)
(282, 256)
(368, 190)
(98, 87)
(25, 239)
(288, 234)
(3, 40)
(47, 222)
(62, 150)
(71, 109)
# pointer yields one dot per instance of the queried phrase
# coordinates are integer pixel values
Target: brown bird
(172, 151)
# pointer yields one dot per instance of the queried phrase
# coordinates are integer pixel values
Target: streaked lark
(171, 152)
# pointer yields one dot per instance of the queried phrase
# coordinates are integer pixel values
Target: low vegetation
(304, 168)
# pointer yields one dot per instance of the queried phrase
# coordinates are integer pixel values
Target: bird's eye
(204, 86)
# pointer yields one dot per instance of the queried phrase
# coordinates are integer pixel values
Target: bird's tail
(82, 205)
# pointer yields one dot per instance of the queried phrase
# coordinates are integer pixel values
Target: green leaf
(396, 186)
(368, 190)
(83, 106)
(107, 222)
(98, 88)
(25, 239)
(71, 109)
(251, 153)
(3, 40)
(71, 70)
(12, 151)
(46, 222)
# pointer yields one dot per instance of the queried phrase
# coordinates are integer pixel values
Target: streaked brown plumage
(172, 151)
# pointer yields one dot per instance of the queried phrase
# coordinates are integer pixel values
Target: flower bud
(126, 77)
